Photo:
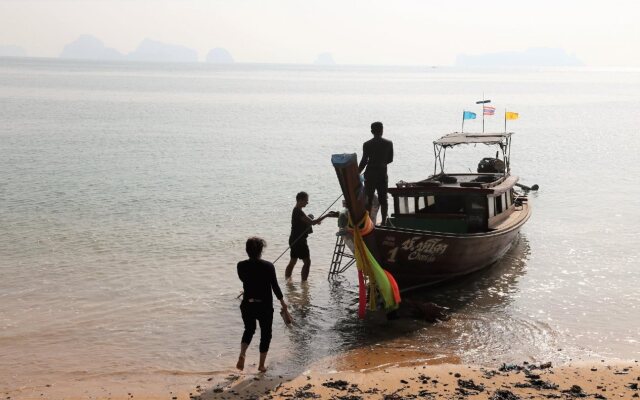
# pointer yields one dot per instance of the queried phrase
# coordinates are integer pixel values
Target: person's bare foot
(262, 368)
(240, 363)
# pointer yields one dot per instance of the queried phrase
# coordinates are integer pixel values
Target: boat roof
(456, 138)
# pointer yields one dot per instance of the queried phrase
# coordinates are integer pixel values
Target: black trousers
(376, 184)
(263, 313)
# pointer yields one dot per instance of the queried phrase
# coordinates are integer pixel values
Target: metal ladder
(338, 254)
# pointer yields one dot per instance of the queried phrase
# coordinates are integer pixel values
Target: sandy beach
(600, 380)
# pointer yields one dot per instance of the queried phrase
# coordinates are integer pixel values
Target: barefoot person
(300, 229)
(258, 280)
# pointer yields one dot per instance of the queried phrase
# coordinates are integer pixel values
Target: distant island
(87, 47)
(533, 57)
(219, 56)
(12, 51)
(324, 59)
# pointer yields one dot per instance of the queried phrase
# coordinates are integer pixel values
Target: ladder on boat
(338, 254)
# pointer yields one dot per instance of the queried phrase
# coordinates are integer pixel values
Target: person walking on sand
(376, 154)
(300, 229)
(258, 281)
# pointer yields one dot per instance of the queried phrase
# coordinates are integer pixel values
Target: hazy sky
(401, 32)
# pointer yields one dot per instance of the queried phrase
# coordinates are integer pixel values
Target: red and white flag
(488, 110)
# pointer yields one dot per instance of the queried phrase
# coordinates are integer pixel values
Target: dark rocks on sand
(470, 384)
(504, 395)
(339, 384)
(510, 367)
(575, 391)
(537, 384)
(303, 394)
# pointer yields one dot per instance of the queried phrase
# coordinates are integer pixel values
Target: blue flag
(468, 115)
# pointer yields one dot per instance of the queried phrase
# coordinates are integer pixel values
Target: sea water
(127, 192)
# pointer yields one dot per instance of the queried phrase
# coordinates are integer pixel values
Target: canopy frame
(440, 146)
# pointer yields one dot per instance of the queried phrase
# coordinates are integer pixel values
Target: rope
(306, 230)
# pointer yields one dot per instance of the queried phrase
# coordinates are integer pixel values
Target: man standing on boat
(376, 154)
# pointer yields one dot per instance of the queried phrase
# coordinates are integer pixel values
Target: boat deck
(484, 182)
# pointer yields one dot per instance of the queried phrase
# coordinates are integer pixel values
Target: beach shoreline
(594, 379)
(600, 379)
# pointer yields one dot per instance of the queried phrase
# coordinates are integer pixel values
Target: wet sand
(595, 380)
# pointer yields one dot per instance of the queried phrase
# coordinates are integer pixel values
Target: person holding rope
(300, 229)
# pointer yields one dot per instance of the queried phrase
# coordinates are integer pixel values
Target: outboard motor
(491, 165)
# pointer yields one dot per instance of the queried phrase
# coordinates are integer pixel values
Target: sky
(372, 32)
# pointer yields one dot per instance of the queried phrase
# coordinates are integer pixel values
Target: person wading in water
(258, 280)
(376, 154)
(300, 229)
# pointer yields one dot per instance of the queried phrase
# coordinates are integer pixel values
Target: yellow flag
(510, 115)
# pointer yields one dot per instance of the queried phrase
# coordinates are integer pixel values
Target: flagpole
(483, 102)
(462, 131)
(505, 120)
(482, 112)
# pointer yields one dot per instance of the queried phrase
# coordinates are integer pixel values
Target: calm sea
(127, 192)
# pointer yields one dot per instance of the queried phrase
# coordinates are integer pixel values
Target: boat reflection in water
(483, 323)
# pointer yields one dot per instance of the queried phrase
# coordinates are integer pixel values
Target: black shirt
(376, 154)
(298, 225)
(258, 279)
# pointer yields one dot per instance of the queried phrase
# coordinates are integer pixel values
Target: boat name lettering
(425, 250)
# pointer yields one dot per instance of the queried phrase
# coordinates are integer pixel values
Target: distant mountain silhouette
(87, 47)
(12, 51)
(324, 59)
(534, 57)
(151, 50)
(220, 56)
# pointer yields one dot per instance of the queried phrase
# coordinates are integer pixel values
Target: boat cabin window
(499, 204)
(407, 205)
(426, 201)
(431, 204)
(441, 204)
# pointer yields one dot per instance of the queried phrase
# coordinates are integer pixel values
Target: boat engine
(491, 164)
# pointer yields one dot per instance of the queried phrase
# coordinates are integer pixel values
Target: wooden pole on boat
(346, 166)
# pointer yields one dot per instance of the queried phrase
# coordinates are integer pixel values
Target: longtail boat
(442, 227)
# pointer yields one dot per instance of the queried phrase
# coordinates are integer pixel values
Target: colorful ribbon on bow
(379, 279)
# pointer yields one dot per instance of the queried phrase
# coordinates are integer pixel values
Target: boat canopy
(457, 138)
(503, 140)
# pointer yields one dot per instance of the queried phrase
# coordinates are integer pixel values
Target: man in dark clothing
(258, 280)
(300, 229)
(376, 154)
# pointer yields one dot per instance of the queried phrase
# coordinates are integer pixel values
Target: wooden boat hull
(418, 258)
